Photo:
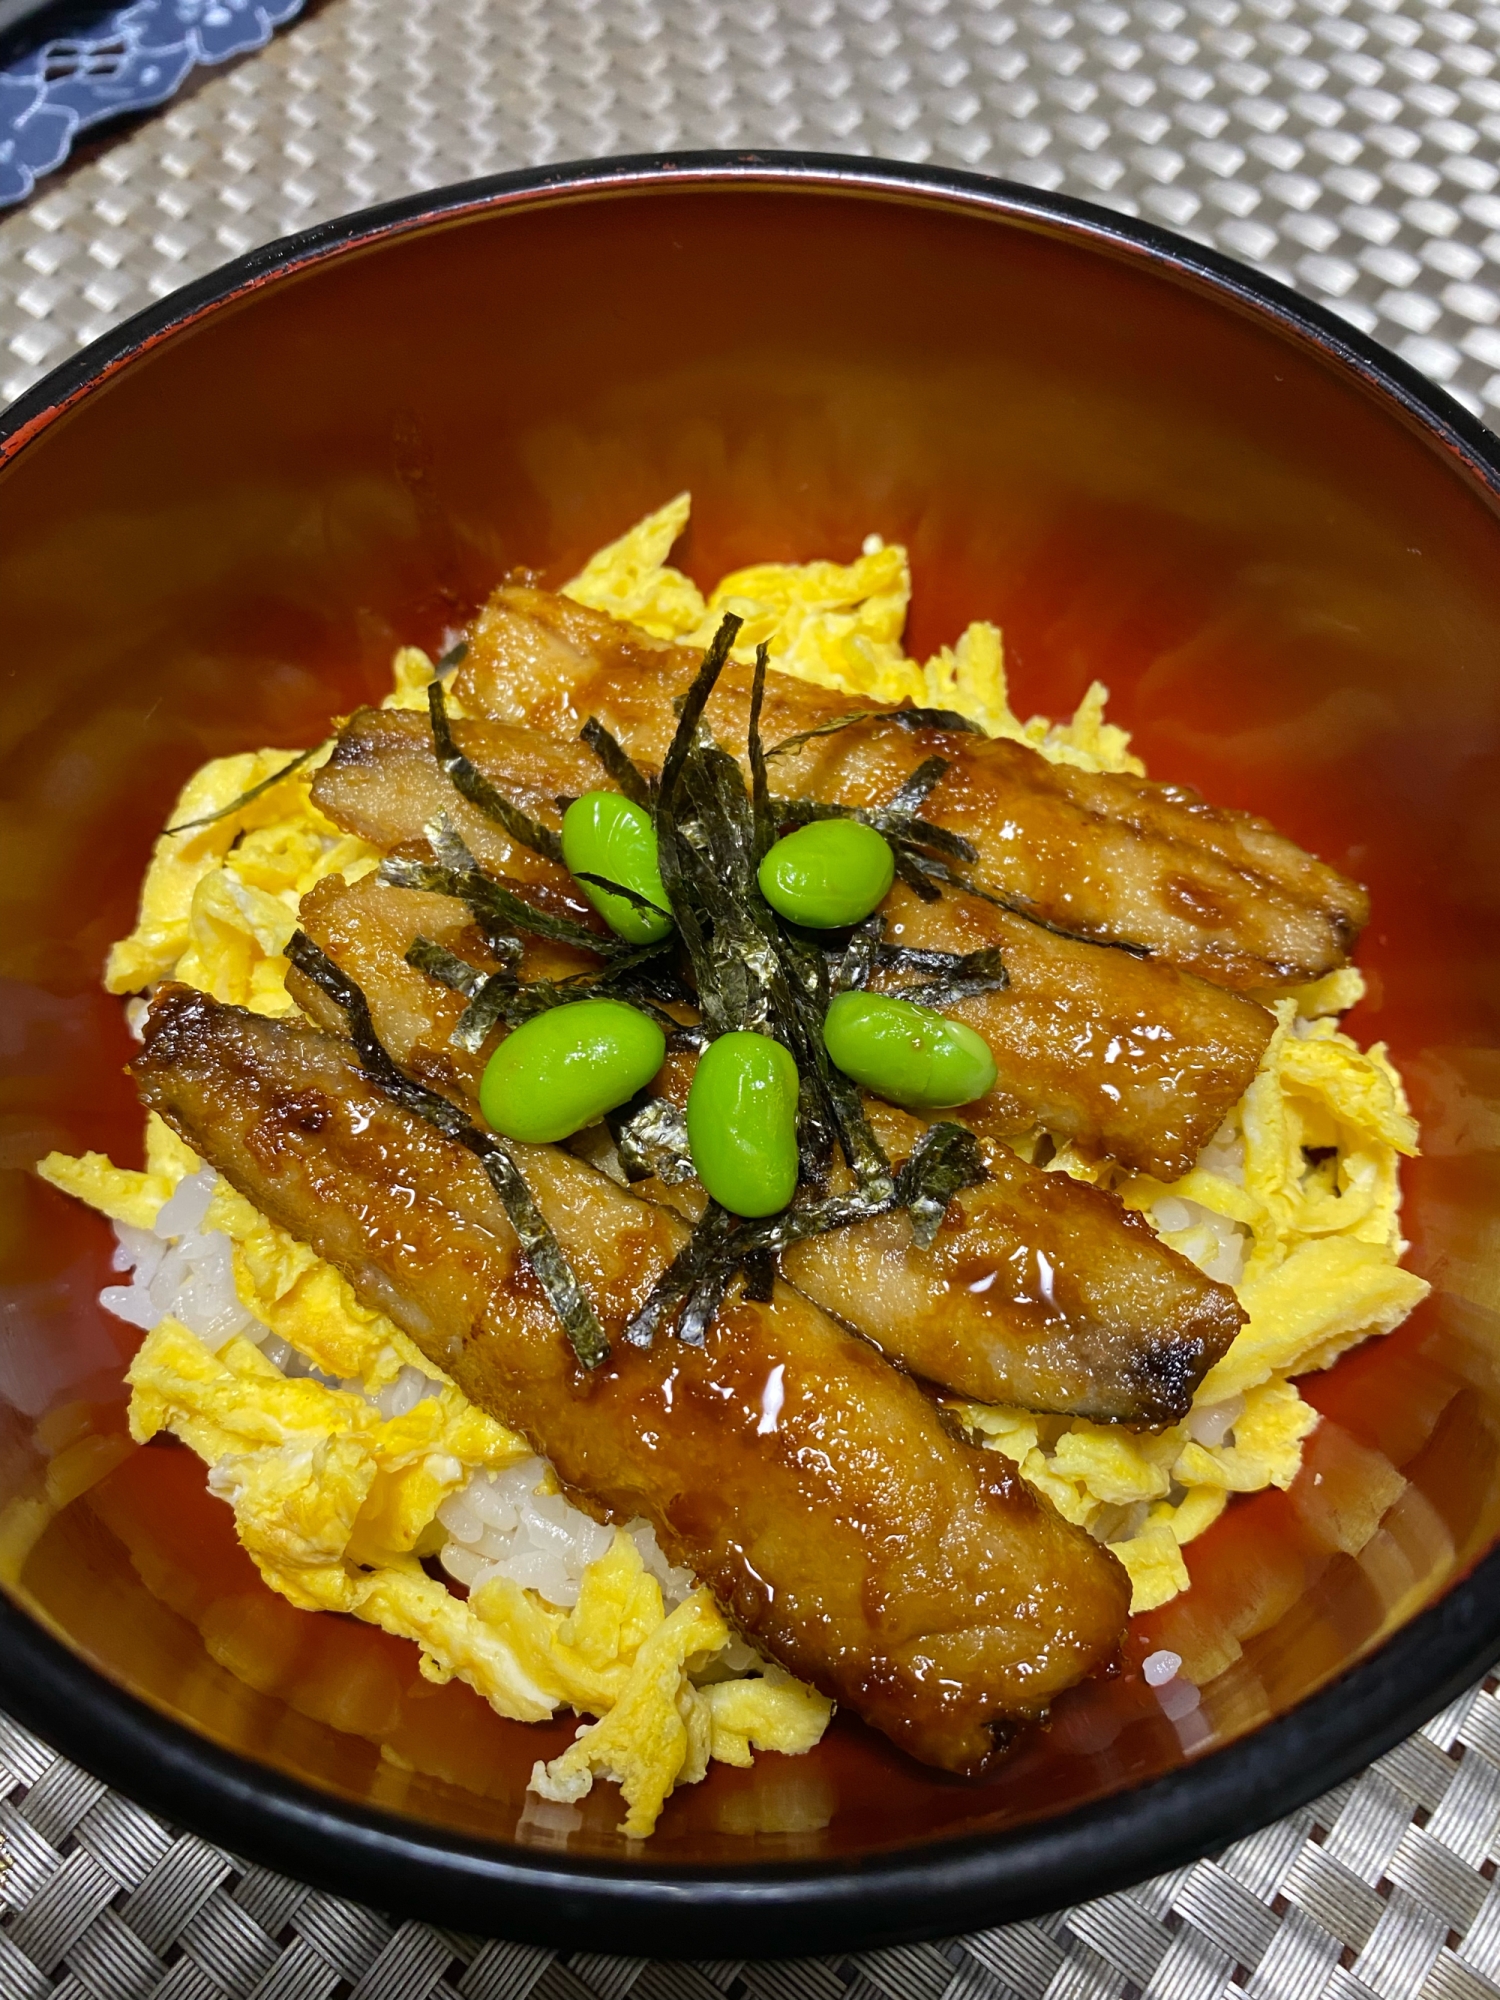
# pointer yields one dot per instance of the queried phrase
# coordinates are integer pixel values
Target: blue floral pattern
(127, 60)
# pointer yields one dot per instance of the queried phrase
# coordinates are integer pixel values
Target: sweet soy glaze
(142, 1572)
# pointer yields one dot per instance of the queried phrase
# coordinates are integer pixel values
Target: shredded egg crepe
(1312, 1249)
(339, 1481)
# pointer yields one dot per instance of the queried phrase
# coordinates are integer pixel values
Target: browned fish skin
(1130, 1058)
(1123, 1056)
(1039, 1290)
(1216, 892)
(904, 1572)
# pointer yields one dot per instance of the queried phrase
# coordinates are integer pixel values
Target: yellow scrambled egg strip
(840, 626)
(1322, 1267)
(335, 1505)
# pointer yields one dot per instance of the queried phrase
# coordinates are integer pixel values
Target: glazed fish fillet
(813, 1488)
(1124, 1056)
(1218, 893)
(1038, 1290)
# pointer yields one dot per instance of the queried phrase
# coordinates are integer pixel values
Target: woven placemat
(1348, 146)
(1382, 1888)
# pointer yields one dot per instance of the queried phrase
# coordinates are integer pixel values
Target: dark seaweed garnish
(948, 976)
(539, 1246)
(473, 785)
(498, 911)
(494, 997)
(651, 1140)
(750, 971)
(612, 754)
(905, 718)
(249, 798)
(455, 656)
(946, 1160)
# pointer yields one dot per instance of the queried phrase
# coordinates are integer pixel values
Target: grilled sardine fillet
(1038, 1290)
(813, 1488)
(1123, 1056)
(1216, 892)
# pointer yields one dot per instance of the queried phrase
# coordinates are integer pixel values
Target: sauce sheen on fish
(1123, 1056)
(1110, 857)
(1038, 1290)
(814, 1489)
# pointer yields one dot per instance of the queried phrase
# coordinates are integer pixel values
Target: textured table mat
(1352, 147)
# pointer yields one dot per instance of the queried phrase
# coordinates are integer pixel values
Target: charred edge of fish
(471, 783)
(946, 1159)
(255, 792)
(539, 1246)
(619, 764)
(905, 718)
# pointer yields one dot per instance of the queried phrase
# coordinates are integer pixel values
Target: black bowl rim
(787, 1909)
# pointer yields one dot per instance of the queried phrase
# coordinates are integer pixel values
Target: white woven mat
(1352, 147)
(1382, 1888)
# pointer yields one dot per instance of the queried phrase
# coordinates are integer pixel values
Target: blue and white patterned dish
(127, 59)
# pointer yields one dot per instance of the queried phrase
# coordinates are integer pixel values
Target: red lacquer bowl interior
(1291, 589)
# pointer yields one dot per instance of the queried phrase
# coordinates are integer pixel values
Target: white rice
(1215, 1243)
(511, 1523)
(516, 1524)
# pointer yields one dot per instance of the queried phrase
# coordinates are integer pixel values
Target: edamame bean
(564, 1069)
(830, 872)
(742, 1123)
(909, 1054)
(604, 833)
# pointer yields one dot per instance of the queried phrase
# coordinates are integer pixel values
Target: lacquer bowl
(1277, 545)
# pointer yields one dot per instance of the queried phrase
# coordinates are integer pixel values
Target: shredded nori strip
(456, 654)
(249, 798)
(947, 1159)
(905, 718)
(497, 910)
(619, 889)
(539, 1246)
(914, 790)
(627, 774)
(494, 997)
(651, 1139)
(752, 972)
(473, 785)
(852, 969)
(951, 976)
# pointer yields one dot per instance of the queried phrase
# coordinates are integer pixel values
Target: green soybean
(830, 872)
(564, 1069)
(604, 833)
(742, 1123)
(908, 1054)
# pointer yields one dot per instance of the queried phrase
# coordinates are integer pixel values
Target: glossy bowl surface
(1280, 549)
